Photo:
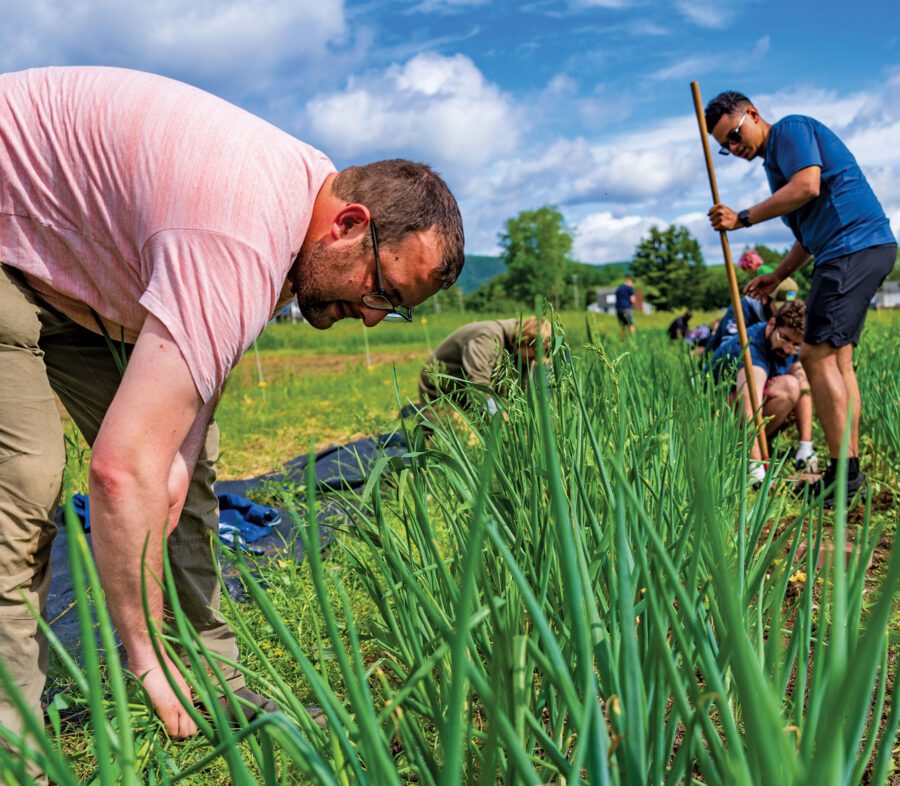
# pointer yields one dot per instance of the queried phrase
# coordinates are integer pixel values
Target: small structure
(888, 296)
(605, 302)
(290, 313)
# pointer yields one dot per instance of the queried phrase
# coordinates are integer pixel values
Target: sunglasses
(733, 137)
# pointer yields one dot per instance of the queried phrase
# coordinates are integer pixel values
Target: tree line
(667, 266)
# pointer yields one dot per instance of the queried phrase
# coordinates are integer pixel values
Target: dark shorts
(841, 291)
(625, 316)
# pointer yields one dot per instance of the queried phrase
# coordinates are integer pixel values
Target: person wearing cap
(777, 375)
(822, 195)
(474, 354)
(754, 310)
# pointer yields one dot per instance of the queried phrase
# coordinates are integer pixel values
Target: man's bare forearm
(129, 510)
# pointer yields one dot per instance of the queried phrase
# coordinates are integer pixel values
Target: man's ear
(350, 221)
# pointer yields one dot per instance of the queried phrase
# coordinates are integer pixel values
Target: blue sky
(583, 104)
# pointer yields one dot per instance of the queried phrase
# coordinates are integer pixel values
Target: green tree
(536, 247)
(670, 266)
(712, 292)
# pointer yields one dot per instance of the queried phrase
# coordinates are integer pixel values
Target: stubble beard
(311, 297)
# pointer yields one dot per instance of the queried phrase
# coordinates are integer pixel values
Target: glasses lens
(393, 316)
(378, 302)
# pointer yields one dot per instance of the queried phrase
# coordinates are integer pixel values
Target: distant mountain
(479, 270)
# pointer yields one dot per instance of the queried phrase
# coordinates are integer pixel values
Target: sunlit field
(582, 589)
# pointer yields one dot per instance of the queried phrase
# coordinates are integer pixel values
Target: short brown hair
(529, 327)
(791, 315)
(404, 197)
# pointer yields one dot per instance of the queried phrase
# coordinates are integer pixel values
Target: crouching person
(475, 352)
(778, 378)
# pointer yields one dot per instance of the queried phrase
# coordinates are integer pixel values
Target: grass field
(582, 591)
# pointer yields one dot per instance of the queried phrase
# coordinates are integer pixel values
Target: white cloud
(707, 13)
(602, 237)
(438, 108)
(761, 47)
(612, 4)
(445, 6)
(688, 68)
(240, 44)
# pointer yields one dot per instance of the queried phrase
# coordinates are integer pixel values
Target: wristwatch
(744, 218)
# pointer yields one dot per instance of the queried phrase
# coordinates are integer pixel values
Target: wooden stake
(732, 281)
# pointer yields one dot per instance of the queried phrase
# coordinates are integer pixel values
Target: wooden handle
(750, 381)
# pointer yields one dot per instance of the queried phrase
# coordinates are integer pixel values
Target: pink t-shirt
(129, 193)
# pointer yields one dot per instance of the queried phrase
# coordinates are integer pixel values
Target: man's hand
(723, 218)
(174, 716)
(763, 287)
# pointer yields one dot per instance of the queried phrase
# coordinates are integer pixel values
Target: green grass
(582, 591)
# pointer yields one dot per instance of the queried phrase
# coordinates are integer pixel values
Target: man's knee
(784, 389)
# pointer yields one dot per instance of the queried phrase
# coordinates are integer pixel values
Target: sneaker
(825, 485)
(855, 486)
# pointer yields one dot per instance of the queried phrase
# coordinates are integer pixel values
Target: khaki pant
(42, 353)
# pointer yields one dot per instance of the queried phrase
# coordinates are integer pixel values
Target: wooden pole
(732, 281)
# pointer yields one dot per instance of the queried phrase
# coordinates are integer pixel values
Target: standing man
(624, 305)
(820, 192)
(177, 224)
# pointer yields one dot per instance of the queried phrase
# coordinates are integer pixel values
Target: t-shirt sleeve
(796, 147)
(213, 293)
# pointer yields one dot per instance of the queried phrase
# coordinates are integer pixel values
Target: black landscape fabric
(340, 468)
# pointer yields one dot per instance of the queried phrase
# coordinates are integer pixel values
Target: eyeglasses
(732, 137)
(379, 300)
(795, 344)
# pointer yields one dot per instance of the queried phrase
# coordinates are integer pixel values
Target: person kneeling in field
(754, 310)
(474, 354)
(778, 375)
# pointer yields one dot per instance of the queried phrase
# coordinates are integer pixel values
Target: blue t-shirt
(846, 217)
(623, 297)
(727, 358)
(754, 311)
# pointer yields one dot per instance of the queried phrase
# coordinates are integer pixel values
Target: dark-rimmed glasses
(733, 137)
(379, 300)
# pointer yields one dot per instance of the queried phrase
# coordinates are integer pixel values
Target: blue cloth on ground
(252, 520)
(82, 507)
